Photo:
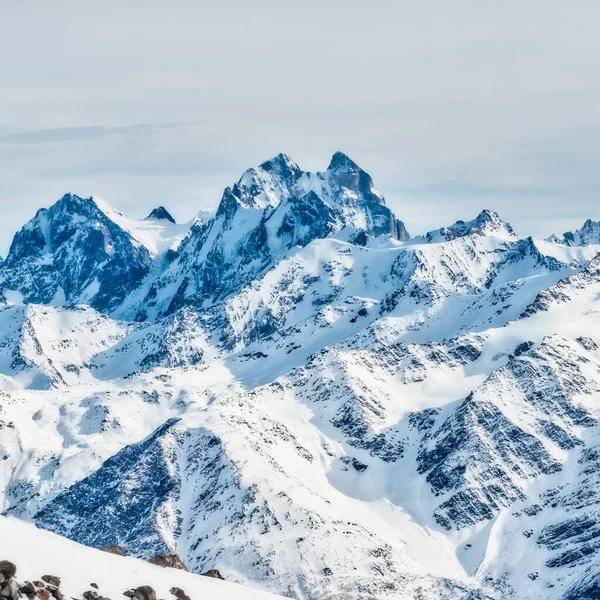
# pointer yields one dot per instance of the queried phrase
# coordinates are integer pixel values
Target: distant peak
(492, 218)
(70, 197)
(341, 162)
(487, 222)
(278, 163)
(71, 203)
(161, 212)
(588, 235)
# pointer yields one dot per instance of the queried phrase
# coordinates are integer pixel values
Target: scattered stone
(10, 590)
(90, 595)
(168, 560)
(118, 550)
(56, 593)
(214, 573)
(52, 580)
(43, 594)
(7, 569)
(179, 593)
(28, 588)
(144, 592)
(129, 593)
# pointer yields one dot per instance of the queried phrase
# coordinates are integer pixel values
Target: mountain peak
(588, 235)
(280, 163)
(72, 200)
(487, 222)
(160, 212)
(342, 162)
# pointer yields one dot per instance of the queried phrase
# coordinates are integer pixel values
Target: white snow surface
(36, 552)
(157, 235)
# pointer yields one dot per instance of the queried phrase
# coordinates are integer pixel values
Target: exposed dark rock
(98, 506)
(168, 560)
(56, 593)
(214, 573)
(144, 592)
(161, 212)
(7, 569)
(51, 579)
(74, 246)
(179, 594)
(118, 550)
(586, 588)
(10, 590)
(28, 588)
(522, 348)
(358, 465)
(43, 594)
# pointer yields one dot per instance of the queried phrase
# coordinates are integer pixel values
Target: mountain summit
(161, 213)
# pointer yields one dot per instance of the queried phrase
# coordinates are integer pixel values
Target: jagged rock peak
(588, 235)
(487, 222)
(160, 212)
(70, 202)
(342, 162)
(281, 163)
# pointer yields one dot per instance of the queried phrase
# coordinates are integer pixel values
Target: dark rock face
(98, 511)
(161, 213)
(75, 251)
(51, 579)
(565, 288)
(586, 588)
(480, 445)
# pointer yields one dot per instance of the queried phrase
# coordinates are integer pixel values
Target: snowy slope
(36, 553)
(293, 392)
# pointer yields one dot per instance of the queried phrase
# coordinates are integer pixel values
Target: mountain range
(293, 390)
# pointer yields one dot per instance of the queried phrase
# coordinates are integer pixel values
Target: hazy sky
(451, 106)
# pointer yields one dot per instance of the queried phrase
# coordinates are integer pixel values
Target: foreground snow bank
(36, 552)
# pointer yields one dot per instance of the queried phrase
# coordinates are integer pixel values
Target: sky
(452, 107)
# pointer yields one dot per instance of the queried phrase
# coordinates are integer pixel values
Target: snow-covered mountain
(294, 391)
(588, 235)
